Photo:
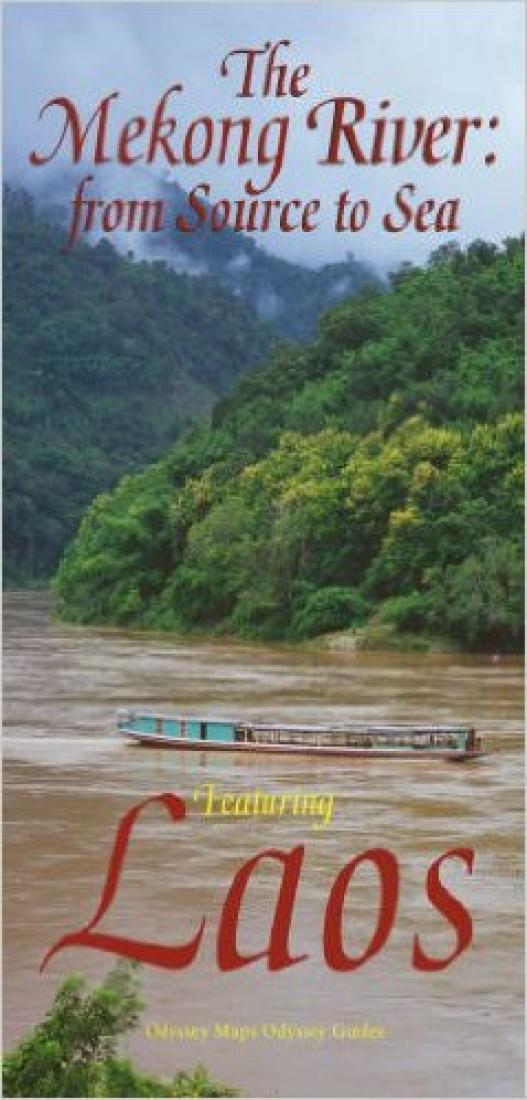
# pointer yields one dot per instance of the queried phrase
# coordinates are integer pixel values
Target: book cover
(263, 549)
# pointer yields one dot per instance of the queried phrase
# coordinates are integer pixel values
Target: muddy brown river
(385, 1029)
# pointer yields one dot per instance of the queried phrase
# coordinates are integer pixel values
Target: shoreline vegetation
(74, 1051)
(374, 635)
(370, 483)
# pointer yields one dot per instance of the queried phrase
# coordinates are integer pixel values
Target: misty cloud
(427, 58)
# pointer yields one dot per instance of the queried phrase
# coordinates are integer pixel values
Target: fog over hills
(289, 296)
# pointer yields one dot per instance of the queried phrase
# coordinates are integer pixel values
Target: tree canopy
(375, 475)
(105, 360)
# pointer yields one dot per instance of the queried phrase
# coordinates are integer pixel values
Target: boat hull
(159, 740)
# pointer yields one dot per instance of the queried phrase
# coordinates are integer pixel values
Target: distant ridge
(287, 295)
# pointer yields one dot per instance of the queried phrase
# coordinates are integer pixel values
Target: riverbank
(375, 635)
(382, 638)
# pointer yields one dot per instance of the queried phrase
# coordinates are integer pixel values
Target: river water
(68, 780)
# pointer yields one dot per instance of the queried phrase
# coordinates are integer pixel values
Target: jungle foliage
(374, 476)
(104, 361)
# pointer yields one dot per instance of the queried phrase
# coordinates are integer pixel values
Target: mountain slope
(287, 295)
(376, 475)
(104, 361)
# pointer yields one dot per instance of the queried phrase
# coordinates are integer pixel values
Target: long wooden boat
(349, 740)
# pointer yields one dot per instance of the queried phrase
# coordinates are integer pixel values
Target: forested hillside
(287, 295)
(104, 361)
(375, 476)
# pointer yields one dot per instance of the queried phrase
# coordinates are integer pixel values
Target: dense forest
(374, 477)
(104, 361)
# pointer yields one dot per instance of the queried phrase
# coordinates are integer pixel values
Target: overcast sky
(455, 58)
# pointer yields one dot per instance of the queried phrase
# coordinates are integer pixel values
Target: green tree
(73, 1052)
